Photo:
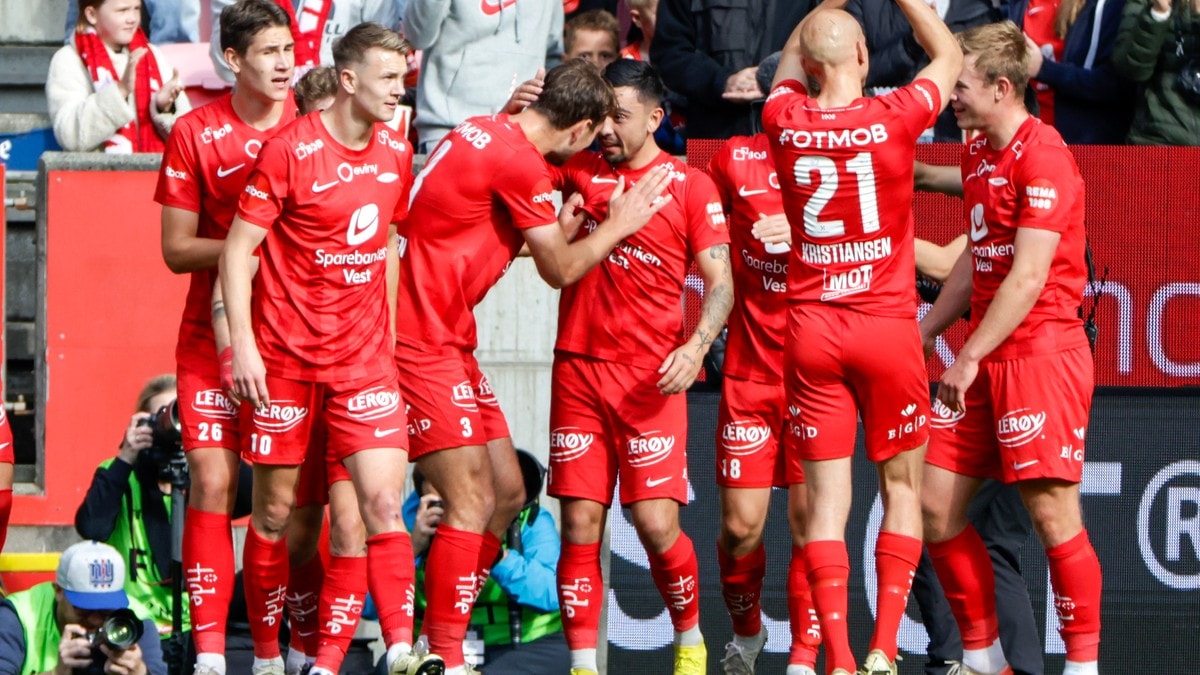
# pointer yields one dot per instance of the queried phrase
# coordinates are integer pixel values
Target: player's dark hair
(639, 75)
(574, 92)
(999, 51)
(317, 84)
(240, 23)
(352, 47)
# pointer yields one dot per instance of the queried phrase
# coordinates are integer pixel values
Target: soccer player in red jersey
(484, 192)
(1015, 403)
(313, 342)
(7, 459)
(205, 165)
(620, 370)
(845, 165)
(752, 418)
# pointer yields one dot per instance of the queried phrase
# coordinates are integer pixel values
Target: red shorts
(207, 417)
(608, 420)
(750, 425)
(840, 364)
(319, 471)
(7, 455)
(1026, 418)
(358, 415)
(450, 401)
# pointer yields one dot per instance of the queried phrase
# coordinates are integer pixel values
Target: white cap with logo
(92, 576)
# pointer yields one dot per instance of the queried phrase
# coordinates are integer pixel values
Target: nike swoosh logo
(205, 626)
(3, 445)
(493, 7)
(1025, 465)
(750, 193)
(317, 187)
(305, 633)
(656, 482)
(222, 171)
(597, 179)
(383, 433)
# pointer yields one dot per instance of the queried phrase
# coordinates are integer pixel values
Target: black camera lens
(121, 630)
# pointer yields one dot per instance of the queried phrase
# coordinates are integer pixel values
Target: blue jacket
(1092, 103)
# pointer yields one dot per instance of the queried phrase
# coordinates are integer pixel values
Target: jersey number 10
(826, 187)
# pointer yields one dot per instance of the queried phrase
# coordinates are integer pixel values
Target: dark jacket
(896, 58)
(1092, 102)
(1151, 53)
(698, 44)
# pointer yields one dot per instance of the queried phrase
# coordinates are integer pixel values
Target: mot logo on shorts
(463, 396)
(744, 437)
(1018, 427)
(214, 403)
(568, 443)
(943, 416)
(279, 417)
(651, 447)
(373, 403)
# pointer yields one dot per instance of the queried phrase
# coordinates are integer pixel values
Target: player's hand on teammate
(742, 86)
(772, 229)
(526, 93)
(680, 368)
(571, 216)
(955, 381)
(631, 209)
(249, 377)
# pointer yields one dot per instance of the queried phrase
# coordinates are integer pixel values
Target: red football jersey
(847, 180)
(1033, 182)
(204, 168)
(320, 301)
(748, 185)
(629, 308)
(482, 185)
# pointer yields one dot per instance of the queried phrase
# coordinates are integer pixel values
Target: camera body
(166, 450)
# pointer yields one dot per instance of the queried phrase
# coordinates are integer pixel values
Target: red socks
(341, 606)
(828, 572)
(965, 572)
(304, 594)
(390, 577)
(451, 584)
(741, 586)
(806, 629)
(676, 574)
(5, 513)
(896, 558)
(1075, 575)
(208, 570)
(580, 593)
(265, 580)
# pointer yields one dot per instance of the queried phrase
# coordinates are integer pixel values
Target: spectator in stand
(709, 53)
(316, 25)
(110, 89)
(592, 36)
(895, 55)
(474, 56)
(166, 21)
(1159, 47)
(1070, 45)
(643, 14)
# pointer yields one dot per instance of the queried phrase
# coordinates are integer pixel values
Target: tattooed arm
(681, 366)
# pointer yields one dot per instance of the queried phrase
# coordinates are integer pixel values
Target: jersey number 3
(826, 187)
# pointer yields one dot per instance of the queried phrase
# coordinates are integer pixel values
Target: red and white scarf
(308, 29)
(139, 135)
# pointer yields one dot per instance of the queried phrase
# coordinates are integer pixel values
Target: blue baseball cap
(92, 576)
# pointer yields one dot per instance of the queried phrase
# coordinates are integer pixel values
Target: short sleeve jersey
(204, 168)
(746, 180)
(1033, 182)
(847, 181)
(628, 308)
(482, 185)
(320, 301)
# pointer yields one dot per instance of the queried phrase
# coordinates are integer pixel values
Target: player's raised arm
(945, 54)
(561, 263)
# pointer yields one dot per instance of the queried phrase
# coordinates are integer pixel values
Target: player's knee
(738, 535)
(210, 492)
(382, 506)
(657, 534)
(348, 539)
(935, 518)
(581, 525)
(272, 516)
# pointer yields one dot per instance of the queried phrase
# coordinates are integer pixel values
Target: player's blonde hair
(999, 51)
(352, 47)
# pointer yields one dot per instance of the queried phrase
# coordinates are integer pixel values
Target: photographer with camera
(82, 622)
(128, 504)
(515, 625)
